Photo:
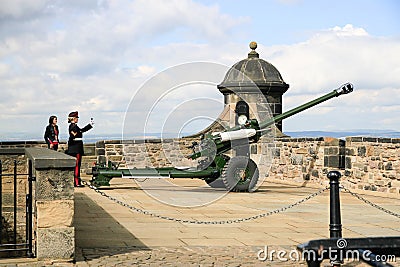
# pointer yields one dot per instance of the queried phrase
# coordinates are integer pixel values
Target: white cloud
(349, 30)
(95, 58)
(142, 71)
(327, 60)
(290, 2)
(20, 8)
(4, 69)
(331, 58)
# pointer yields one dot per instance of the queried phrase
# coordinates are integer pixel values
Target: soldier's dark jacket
(75, 143)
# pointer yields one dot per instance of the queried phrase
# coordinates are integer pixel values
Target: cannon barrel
(344, 89)
(222, 139)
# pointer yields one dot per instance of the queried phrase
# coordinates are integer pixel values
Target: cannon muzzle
(345, 89)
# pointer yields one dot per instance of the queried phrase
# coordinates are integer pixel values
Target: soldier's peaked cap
(73, 114)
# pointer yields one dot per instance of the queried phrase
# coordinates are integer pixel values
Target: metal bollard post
(335, 226)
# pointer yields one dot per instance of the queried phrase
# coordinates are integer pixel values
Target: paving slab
(109, 234)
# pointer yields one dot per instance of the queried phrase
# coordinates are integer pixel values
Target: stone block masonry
(298, 160)
(369, 164)
(145, 153)
(373, 163)
(53, 199)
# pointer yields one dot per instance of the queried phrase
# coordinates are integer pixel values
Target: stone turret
(255, 74)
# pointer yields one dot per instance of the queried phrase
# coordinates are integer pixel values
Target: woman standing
(75, 143)
(51, 133)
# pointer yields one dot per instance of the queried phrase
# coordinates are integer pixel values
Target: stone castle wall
(370, 164)
(52, 199)
(145, 153)
(373, 163)
(303, 159)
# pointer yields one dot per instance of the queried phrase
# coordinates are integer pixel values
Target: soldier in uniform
(51, 133)
(75, 143)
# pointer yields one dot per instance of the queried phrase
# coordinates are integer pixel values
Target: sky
(96, 56)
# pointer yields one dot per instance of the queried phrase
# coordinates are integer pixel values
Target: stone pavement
(109, 234)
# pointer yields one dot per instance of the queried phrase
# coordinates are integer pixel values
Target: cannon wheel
(215, 183)
(240, 174)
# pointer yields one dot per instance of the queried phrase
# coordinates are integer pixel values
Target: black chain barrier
(240, 220)
(366, 201)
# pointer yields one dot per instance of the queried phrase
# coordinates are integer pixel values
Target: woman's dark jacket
(75, 143)
(51, 134)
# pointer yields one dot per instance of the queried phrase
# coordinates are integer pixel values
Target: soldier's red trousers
(77, 171)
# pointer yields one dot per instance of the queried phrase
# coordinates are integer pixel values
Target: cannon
(238, 173)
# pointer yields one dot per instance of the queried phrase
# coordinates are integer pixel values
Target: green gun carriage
(237, 173)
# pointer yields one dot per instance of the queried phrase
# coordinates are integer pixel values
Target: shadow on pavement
(98, 234)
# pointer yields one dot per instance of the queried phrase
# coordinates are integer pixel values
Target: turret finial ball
(253, 45)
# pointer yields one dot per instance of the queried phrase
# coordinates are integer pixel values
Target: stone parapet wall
(145, 153)
(298, 159)
(373, 163)
(25, 144)
(87, 160)
(53, 204)
(52, 197)
(370, 164)
(306, 160)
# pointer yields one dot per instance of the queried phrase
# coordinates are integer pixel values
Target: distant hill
(92, 138)
(336, 134)
(343, 134)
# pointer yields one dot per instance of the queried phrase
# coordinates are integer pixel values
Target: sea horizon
(92, 138)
